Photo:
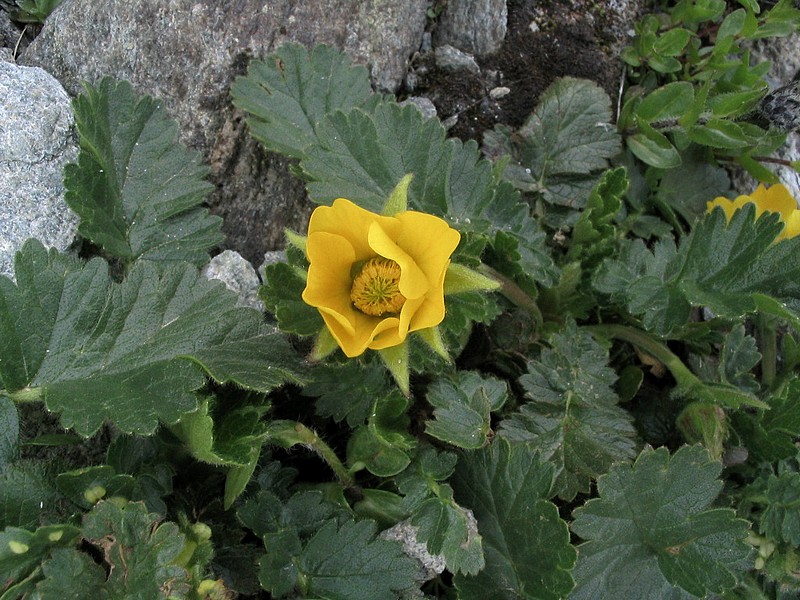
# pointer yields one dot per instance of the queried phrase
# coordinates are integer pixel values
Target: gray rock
(784, 54)
(429, 565)
(187, 53)
(474, 26)
(36, 141)
(238, 275)
(423, 104)
(452, 59)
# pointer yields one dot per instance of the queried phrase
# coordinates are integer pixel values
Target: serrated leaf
(449, 530)
(9, 431)
(138, 550)
(780, 520)
(137, 190)
(382, 446)
(21, 550)
(738, 357)
(118, 351)
(571, 415)
(262, 362)
(281, 294)
(347, 392)
(528, 554)
(444, 526)
(721, 266)
(570, 130)
(370, 569)
(770, 434)
(233, 438)
(289, 94)
(688, 188)
(594, 235)
(26, 493)
(63, 570)
(462, 407)
(652, 532)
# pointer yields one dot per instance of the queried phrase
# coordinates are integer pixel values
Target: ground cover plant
(560, 365)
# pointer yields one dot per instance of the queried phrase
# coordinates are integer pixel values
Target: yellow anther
(376, 288)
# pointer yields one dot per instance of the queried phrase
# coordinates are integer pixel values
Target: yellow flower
(373, 278)
(776, 198)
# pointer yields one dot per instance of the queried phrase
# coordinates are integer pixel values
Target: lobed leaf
(527, 549)
(119, 351)
(652, 532)
(136, 189)
(288, 95)
(571, 415)
(462, 408)
(724, 267)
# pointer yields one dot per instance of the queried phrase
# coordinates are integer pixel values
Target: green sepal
(396, 360)
(324, 345)
(296, 240)
(432, 336)
(398, 199)
(463, 279)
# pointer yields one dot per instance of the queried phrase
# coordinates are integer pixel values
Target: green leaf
(87, 485)
(281, 294)
(781, 517)
(570, 130)
(462, 407)
(653, 148)
(119, 351)
(594, 235)
(370, 568)
(687, 188)
(289, 94)
(233, 438)
(667, 102)
(724, 267)
(672, 42)
(138, 192)
(21, 550)
(528, 554)
(347, 392)
(262, 362)
(571, 415)
(313, 546)
(9, 431)
(738, 357)
(652, 530)
(26, 493)
(138, 550)
(770, 434)
(445, 527)
(382, 446)
(719, 133)
(63, 570)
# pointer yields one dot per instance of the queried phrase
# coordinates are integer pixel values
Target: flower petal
(351, 222)
(329, 282)
(776, 198)
(429, 241)
(364, 332)
(413, 282)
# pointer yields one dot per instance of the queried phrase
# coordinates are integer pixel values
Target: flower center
(376, 288)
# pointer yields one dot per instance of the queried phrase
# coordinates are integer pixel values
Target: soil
(544, 41)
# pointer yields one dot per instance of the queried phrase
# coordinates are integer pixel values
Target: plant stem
(514, 293)
(26, 394)
(768, 342)
(291, 433)
(656, 349)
